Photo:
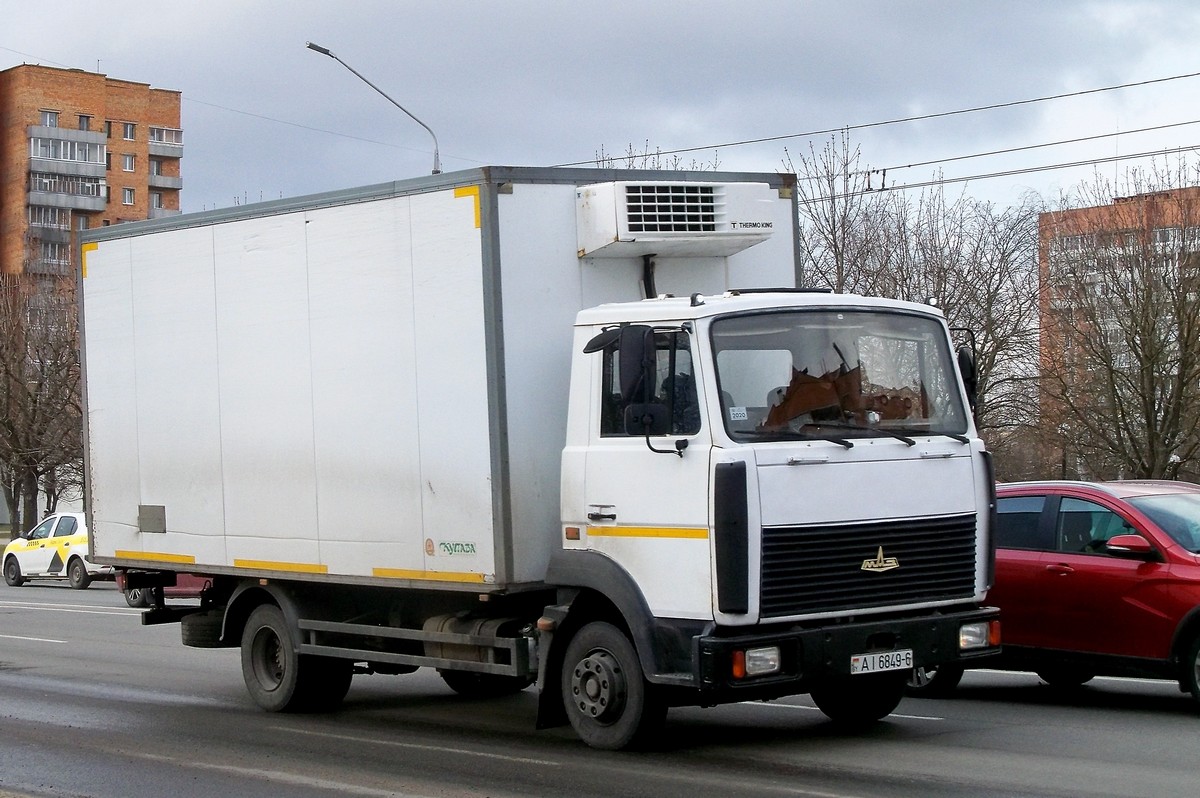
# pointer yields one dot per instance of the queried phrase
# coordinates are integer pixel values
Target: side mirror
(970, 374)
(637, 356)
(1134, 547)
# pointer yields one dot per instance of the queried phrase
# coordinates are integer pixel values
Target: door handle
(1060, 568)
(602, 516)
(602, 512)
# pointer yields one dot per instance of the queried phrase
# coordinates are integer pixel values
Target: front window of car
(42, 530)
(800, 374)
(1177, 514)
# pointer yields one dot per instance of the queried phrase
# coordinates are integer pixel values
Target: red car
(186, 586)
(1095, 579)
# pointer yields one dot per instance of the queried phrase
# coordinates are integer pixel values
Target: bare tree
(1121, 360)
(40, 409)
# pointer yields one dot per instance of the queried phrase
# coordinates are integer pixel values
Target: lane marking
(76, 608)
(417, 746)
(31, 639)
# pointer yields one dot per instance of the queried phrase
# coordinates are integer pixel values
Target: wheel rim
(598, 686)
(268, 659)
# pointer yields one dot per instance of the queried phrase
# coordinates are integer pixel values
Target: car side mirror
(1133, 547)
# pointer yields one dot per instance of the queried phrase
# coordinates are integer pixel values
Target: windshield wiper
(864, 428)
(951, 435)
(796, 435)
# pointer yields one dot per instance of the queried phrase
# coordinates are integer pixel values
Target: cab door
(647, 474)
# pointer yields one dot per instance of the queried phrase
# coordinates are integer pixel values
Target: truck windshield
(787, 375)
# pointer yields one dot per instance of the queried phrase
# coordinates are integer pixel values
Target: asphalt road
(94, 704)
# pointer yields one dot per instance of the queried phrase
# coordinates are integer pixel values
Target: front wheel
(12, 573)
(856, 702)
(608, 701)
(137, 597)
(77, 575)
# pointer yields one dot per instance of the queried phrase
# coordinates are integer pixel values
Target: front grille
(658, 208)
(809, 569)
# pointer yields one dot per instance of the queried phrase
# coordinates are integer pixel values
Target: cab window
(674, 387)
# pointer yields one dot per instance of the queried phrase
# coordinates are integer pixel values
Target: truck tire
(1065, 677)
(202, 629)
(278, 678)
(12, 573)
(859, 701)
(935, 682)
(484, 685)
(607, 699)
(77, 575)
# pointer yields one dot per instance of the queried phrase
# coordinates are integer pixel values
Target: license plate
(882, 661)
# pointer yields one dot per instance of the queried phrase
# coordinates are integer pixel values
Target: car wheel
(607, 699)
(12, 573)
(137, 597)
(1065, 677)
(77, 575)
(934, 682)
(1189, 680)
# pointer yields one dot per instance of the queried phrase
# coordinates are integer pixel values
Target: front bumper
(811, 654)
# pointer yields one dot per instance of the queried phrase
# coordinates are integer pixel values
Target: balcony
(162, 213)
(79, 202)
(166, 142)
(163, 181)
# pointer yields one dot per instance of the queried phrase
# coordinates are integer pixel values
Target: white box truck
(576, 427)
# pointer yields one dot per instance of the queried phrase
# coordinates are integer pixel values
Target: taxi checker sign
(880, 563)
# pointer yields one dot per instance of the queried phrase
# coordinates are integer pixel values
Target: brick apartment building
(1120, 285)
(78, 150)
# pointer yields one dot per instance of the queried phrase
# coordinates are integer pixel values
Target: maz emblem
(880, 563)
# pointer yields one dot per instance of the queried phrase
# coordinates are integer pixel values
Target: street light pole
(437, 163)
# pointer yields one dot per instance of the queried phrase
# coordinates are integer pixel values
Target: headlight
(756, 662)
(981, 634)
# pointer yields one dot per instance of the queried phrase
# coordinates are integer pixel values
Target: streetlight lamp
(437, 163)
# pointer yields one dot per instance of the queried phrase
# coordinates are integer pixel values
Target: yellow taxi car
(57, 548)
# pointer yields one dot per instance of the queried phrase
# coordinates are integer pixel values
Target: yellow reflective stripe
(647, 532)
(295, 567)
(434, 576)
(155, 556)
(470, 191)
(84, 250)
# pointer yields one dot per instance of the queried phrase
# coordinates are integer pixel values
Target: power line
(918, 118)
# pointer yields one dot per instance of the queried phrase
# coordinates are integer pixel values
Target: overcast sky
(525, 82)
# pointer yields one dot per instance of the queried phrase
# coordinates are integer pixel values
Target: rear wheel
(857, 702)
(77, 575)
(280, 679)
(934, 682)
(607, 699)
(12, 573)
(1065, 677)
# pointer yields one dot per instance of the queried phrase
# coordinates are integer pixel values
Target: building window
(126, 196)
(81, 222)
(107, 129)
(127, 162)
(42, 216)
(128, 131)
(156, 166)
(59, 150)
(166, 135)
(66, 184)
(156, 200)
(49, 119)
(55, 252)
(85, 122)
